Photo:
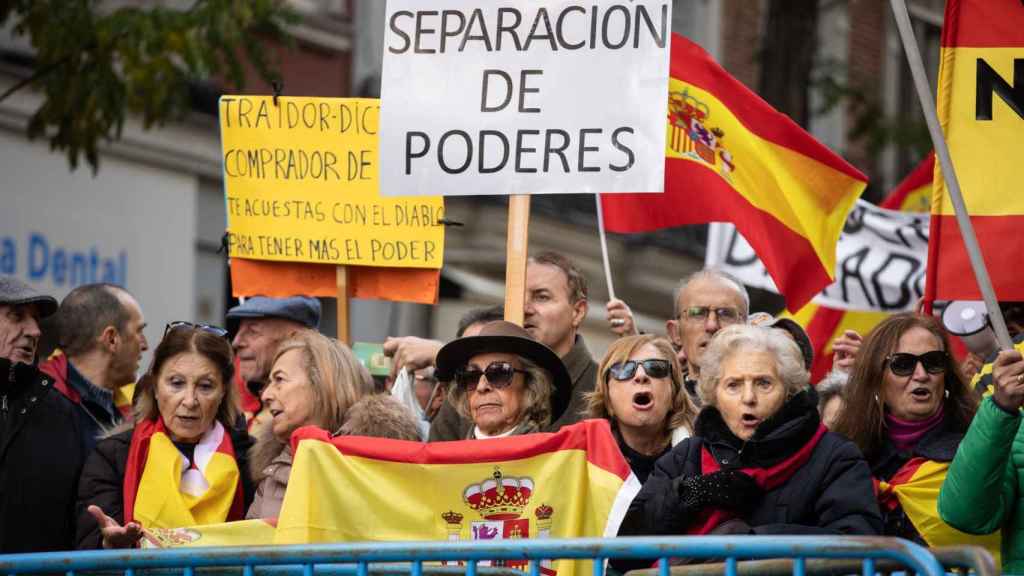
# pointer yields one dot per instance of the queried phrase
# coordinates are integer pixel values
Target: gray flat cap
(301, 309)
(14, 292)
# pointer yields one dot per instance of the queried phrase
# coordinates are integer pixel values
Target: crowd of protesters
(717, 418)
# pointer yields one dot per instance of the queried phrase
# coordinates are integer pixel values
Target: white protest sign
(880, 260)
(524, 96)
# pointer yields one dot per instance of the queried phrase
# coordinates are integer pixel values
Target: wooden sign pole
(343, 328)
(515, 266)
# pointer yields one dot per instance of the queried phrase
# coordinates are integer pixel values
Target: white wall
(136, 221)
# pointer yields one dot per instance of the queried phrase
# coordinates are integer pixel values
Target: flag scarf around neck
(731, 157)
(162, 490)
(915, 488)
(571, 483)
(767, 478)
(980, 106)
(824, 324)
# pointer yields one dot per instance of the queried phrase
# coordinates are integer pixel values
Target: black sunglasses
(904, 363)
(215, 330)
(654, 368)
(499, 375)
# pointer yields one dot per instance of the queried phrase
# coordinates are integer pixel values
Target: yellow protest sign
(301, 185)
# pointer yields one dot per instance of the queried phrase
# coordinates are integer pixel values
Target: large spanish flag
(981, 109)
(824, 324)
(572, 483)
(731, 157)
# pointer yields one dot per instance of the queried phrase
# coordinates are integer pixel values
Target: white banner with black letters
(880, 260)
(524, 96)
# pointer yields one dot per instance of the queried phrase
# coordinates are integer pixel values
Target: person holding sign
(505, 382)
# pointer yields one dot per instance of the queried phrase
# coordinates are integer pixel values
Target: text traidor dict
(300, 180)
(524, 97)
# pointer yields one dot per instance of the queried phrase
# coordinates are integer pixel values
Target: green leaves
(95, 66)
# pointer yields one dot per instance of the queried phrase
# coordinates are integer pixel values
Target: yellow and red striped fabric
(981, 109)
(915, 488)
(731, 157)
(822, 324)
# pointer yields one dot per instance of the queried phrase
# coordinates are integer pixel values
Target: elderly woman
(907, 406)
(313, 382)
(506, 383)
(181, 462)
(760, 462)
(640, 391)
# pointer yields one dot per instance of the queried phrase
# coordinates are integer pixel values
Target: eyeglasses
(215, 330)
(904, 363)
(653, 367)
(700, 314)
(499, 375)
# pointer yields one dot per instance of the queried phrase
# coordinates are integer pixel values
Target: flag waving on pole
(980, 105)
(573, 483)
(731, 157)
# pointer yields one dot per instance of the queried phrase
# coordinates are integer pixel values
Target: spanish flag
(981, 109)
(915, 488)
(823, 324)
(731, 157)
(572, 483)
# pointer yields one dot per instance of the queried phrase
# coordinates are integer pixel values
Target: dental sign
(524, 97)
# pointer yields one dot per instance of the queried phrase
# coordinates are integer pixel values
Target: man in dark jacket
(40, 452)
(556, 304)
(100, 333)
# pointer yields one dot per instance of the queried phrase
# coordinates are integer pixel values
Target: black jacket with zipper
(831, 493)
(41, 457)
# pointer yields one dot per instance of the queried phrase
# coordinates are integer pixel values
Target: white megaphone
(968, 319)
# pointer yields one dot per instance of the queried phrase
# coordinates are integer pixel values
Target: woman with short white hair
(760, 462)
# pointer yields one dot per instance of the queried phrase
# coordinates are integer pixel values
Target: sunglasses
(701, 313)
(654, 368)
(215, 330)
(904, 364)
(499, 375)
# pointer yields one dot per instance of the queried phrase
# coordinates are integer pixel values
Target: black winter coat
(102, 482)
(831, 493)
(938, 444)
(41, 457)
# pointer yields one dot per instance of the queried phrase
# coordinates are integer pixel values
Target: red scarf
(138, 452)
(767, 478)
(56, 367)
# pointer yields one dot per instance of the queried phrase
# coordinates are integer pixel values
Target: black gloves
(727, 489)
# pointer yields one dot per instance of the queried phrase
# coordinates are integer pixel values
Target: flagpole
(924, 95)
(604, 248)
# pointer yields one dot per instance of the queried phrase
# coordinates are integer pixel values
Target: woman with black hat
(506, 382)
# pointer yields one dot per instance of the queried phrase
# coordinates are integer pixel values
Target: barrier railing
(324, 558)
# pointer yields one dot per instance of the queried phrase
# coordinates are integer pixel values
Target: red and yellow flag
(915, 488)
(572, 483)
(731, 157)
(823, 324)
(981, 109)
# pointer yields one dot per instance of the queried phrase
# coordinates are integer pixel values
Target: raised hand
(620, 318)
(1008, 378)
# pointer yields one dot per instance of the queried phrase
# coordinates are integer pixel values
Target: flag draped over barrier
(572, 483)
(731, 157)
(980, 105)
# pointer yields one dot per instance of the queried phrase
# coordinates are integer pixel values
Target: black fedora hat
(502, 336)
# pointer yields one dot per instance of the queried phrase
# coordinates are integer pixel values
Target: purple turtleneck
(905, 433)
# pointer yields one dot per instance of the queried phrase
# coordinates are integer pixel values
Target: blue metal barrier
(303, 558)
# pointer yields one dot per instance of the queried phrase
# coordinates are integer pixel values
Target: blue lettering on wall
(8, 257)
(62, 266)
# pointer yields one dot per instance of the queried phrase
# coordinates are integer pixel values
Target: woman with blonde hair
(314, 381)
(640, 391)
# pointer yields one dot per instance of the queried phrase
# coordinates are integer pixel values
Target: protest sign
(880, 260)
(520, 97)
(301, 178)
